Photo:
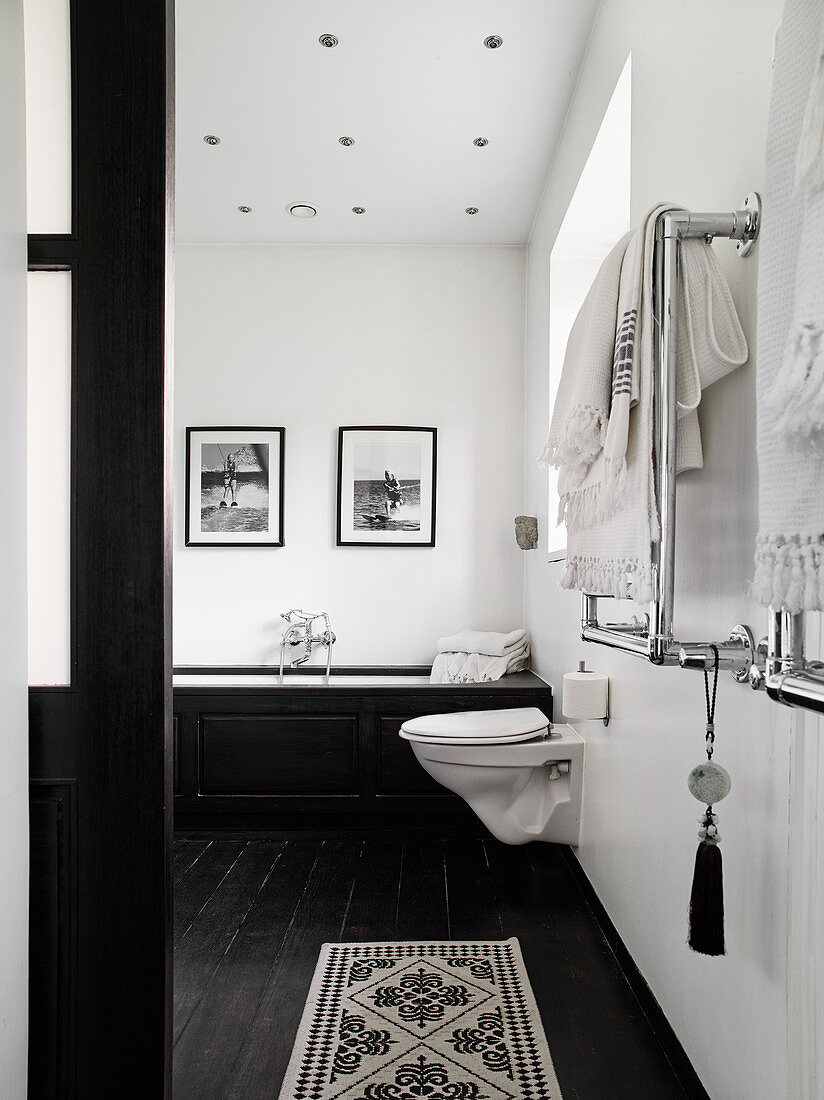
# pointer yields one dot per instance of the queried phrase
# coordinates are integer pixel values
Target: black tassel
(707, 901)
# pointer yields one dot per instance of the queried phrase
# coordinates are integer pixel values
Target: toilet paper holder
(604, 717)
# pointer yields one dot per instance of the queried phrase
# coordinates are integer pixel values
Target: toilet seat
(477, 727)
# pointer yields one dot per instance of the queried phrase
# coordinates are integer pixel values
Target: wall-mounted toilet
(521, 776)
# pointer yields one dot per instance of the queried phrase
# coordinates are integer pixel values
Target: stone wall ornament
(526, 532)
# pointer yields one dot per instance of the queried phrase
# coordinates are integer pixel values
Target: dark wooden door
(101, 760)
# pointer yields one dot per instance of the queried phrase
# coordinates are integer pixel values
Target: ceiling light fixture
(210, 139)
(358, 209)
(481, 142)
(245, 209)
(472, 210)
(328, 40)
(347, 141)
(302, 209)
(493, 42)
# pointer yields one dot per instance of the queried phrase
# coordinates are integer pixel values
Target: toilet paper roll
(585, 694)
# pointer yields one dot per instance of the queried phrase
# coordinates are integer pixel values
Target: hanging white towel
(790, 546)
(796, 399)
(611, 516)
(581, 409)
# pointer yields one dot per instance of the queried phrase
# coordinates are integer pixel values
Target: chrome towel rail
(777, 663)
(782, 667)
(654, 639)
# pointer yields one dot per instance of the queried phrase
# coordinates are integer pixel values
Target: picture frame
(234, 486)
(387, 484)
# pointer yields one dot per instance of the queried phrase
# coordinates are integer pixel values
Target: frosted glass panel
(48, 115)
(49, 477)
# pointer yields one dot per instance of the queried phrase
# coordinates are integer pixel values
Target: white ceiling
(410, 81)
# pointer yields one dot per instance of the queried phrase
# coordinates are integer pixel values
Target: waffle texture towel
(789, 555)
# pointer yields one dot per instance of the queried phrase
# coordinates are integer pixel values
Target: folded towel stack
(477, 656)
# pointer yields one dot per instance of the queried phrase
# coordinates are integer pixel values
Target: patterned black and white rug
(420, 1021)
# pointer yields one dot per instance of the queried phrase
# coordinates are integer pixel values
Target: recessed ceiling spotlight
(210, 139)
(493, 42)
(302, 209)
(347, 141)
(472, 210)
(245, 209)
(358, 209)
(328, 40)
(481, 142)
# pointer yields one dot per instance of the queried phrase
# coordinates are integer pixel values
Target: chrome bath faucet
(300, 633)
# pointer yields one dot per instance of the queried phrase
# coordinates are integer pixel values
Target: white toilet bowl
(523, 778)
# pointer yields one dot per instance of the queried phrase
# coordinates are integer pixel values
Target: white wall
(14, 859)
(316, 337)
(692, 90)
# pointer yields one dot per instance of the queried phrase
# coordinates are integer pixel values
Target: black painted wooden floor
(252, 913)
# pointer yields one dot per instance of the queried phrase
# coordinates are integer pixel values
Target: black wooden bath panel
(275, 757)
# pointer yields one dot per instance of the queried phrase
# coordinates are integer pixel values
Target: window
(48, 116)
(596, 219)
(49, 477)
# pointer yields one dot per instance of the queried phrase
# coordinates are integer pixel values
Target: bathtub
(290, 679)
(250, 752)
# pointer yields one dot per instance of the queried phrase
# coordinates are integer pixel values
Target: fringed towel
(581, 409)
(790, 387)
(610, 511)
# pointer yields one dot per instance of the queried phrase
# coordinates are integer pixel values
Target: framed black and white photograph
(386, 486)
(234, 486)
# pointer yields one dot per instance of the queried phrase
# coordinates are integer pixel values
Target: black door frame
(101, 749)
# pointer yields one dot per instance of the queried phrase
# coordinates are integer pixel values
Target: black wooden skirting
(660, 1025)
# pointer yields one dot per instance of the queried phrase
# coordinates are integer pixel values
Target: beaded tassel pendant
(709, 783)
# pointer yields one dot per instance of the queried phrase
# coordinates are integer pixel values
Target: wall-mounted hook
(737, 653)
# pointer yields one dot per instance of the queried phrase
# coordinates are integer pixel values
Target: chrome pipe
(798, 689)
(736, 225)
(665, 427)
(589, 610)
(640, 630)
(699, 655)
(629, 643)
(785, 643)
(688, 225)
(737, 654)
